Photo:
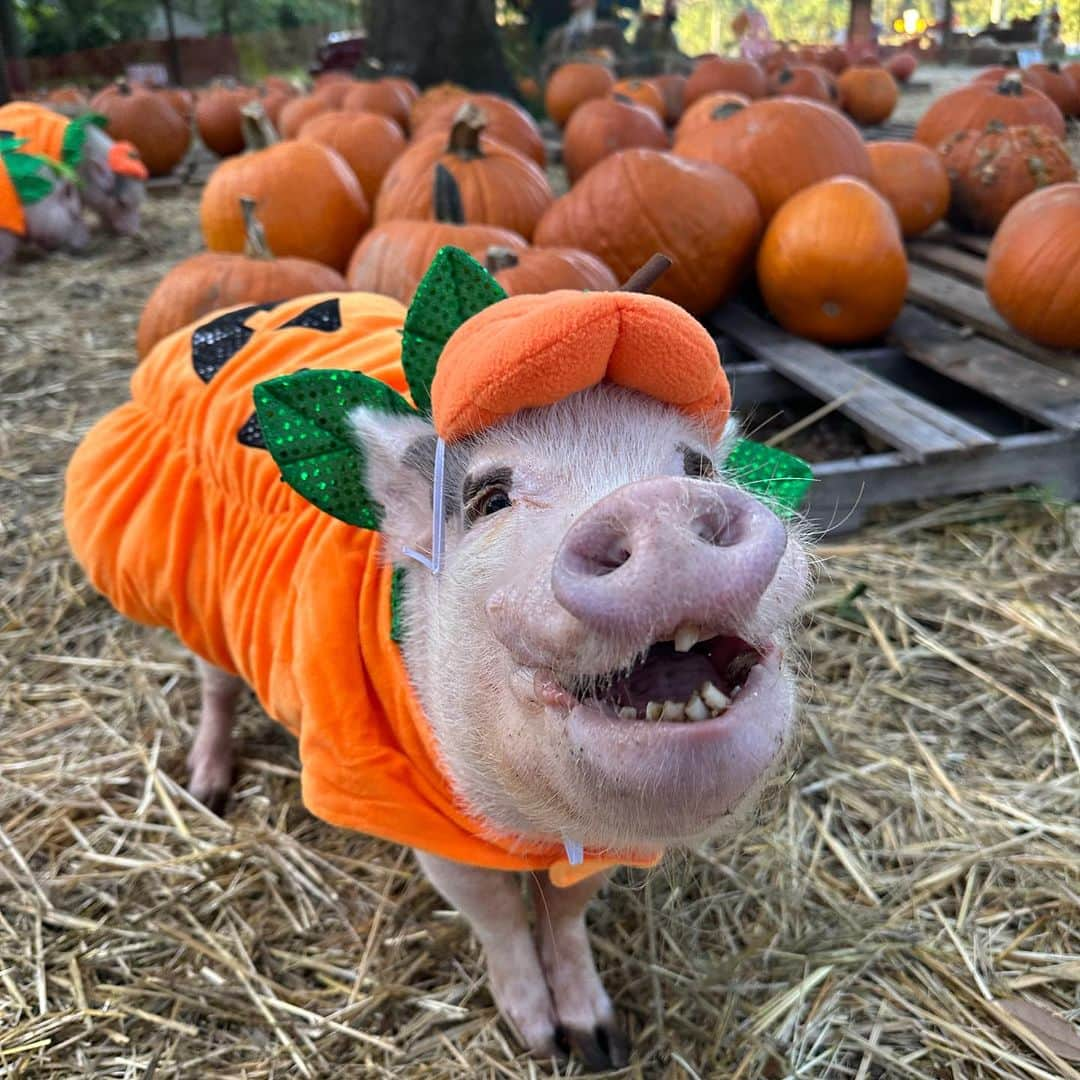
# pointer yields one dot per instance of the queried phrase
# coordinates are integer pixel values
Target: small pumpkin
(671, 91)
(406, 86)
(706, 109)
(219, 120)
(334, 92)
(369, 143)
(641, 92)
(718, 73)
(393, 257)
(640, 201)
(572, 85)
(433, 98)
(542, 270)
(295, 113)
(498, 185)
(147, 121)
(868, 95)
(972, 107)
(273, 102)
(210, 281)
(901, 66)
(1058, 87)
(312, 205)
(1032, 272)
(779, 146)
(605, 125)
(991, 170)
(831, 266)
(507, 122)
(913, 180)
(379, 97)
(800, 80)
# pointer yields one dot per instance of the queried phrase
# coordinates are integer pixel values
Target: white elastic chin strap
(575, 852)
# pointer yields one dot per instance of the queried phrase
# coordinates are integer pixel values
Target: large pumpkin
(498, 185)
(913, 180)
(641, 92)
(602, 127)
(572, 85)
(148, 121)
(296, 113)
(379, 97)
(219, 119)
(832, 266)
(210, 280)
(507, 122)
(312, 206)
(368, 142)
(717, 73)
(972, 107)
(869, 95)
(637, 202)
(541, 270)
(671, 90)
(780, 146)
(434, 97)
(705, 110)
(993, 169)
(392, 258)
(1058, 87)
(800, 80)
(1032, 272)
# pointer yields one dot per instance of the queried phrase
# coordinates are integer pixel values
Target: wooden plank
(977, 245)
(966, 266)
(1044, 394)
(844, 490)
(919, 430)
(965, 303)
(754, 384)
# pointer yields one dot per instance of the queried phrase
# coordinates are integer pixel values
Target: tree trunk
(226, 17)
(434, 41)
(860, 21)
(176, 76)
(5, 86)
(9, 49)
(946, 33)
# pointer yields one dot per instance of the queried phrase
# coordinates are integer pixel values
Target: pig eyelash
(486, 495)
(697, 464)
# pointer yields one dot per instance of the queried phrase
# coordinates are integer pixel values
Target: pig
(115, 197)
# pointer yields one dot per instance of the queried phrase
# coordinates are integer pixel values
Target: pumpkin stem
(469, 123)
(256, 246)
(643, 278)
(622, 99)
(447, 197)
(259, 132)
(722, 112)
(785, 76)
(499, 258)
(1012, 85)
(123, 86)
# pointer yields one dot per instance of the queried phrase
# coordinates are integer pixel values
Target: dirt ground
(907, 905)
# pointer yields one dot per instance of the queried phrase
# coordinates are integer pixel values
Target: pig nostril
(600, 553)
(719, 528)
(610, 560)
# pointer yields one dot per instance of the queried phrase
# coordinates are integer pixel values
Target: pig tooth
(696, 709)
(714, 697)
(628, 712)
(674, 711)
(686, 637)
(653, 710)
(736, 691)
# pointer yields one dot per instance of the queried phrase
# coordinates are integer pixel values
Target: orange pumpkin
(149, 122)
(507, 122)
(901, 66)
(498, 185)
(832, 266)
(333, 93)
(211, 281)
(671, 91)
(541, 270)
(991, 170)
(368, 142)
(637, 202)
(605, 125)
(717, 73)
(1032, 272)
(572, 85)
(433, 98)
(800, 80)
(297, 112)
(279, 85)
(393, 258)
(379, 97)
(913, 180)
(641, 92)
(705, 110)
(780, 146)
(183, 101)
(972, 107)
(67, 95)
(273, 102)
(869, 95)
(406, 86)
(312, 205)
(219, 120)
(1058, 87)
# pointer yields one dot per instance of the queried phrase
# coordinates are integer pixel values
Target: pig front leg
(210, 762)
(8, 243)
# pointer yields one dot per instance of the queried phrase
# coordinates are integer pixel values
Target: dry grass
(923, 862)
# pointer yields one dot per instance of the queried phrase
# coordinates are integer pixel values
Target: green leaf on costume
(774, 476)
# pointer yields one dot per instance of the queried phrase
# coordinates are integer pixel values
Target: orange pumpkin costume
(12, 217)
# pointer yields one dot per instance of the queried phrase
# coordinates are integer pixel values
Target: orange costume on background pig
(12, 217)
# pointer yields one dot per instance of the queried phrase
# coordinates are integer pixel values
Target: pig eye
(696, 464)
(486, 495)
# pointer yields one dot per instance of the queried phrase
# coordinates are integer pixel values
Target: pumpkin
(296, 113)
(901, 66)
(706, 109)
(831, 266)
(219, 121)
(1058, 87)
(605, 125)
(393, 258)
(1032, 272)
(671, 91)
(641, 92)
(913, 180)
(780, 146)
(368, 143)
(972, 107)
(312, 205)
(541, 270)
(273, 102)
(800, 80)
(407, 87)
(572, 85)
(507, 122)
(719, 73)
(67, 95)
(182, 101)
(378, 97)
(834, 59)
(432, 98)
(498, 185)
(333, 93)
(149, 122)
(869, 95)
(991, 170)
(276, 84)
(211, 281)
(640, 201)
(1072, 73)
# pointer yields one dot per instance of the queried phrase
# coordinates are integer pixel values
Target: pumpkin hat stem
(644, 277)
(446, 200)
(256, 246)
(259, 132)
(469, 123)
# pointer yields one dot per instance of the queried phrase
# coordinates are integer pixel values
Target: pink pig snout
(660, 554)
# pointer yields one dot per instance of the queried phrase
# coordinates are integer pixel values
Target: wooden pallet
(961, 402)
(891, 129)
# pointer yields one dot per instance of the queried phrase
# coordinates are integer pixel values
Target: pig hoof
(210, 782)
(603, 1047)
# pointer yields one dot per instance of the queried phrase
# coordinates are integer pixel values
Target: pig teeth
(653, 710)
(696, 709)
(628, 712)
(686, 637)
(715, 698)
(674, 711)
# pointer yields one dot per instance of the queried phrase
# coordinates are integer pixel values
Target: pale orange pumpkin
(718, 73)
(605, 125)
(219, 120)
(706, 109)
(913, 180)
(294, 114)
(571, 85)
(800, 80)
(434, 97)
(507, 122)
(369, 143)
(641, 92)
(541, 270)
(379, 97)
(149, 122)
(868, 95)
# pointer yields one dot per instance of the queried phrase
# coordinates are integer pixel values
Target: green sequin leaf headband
(32, 176)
